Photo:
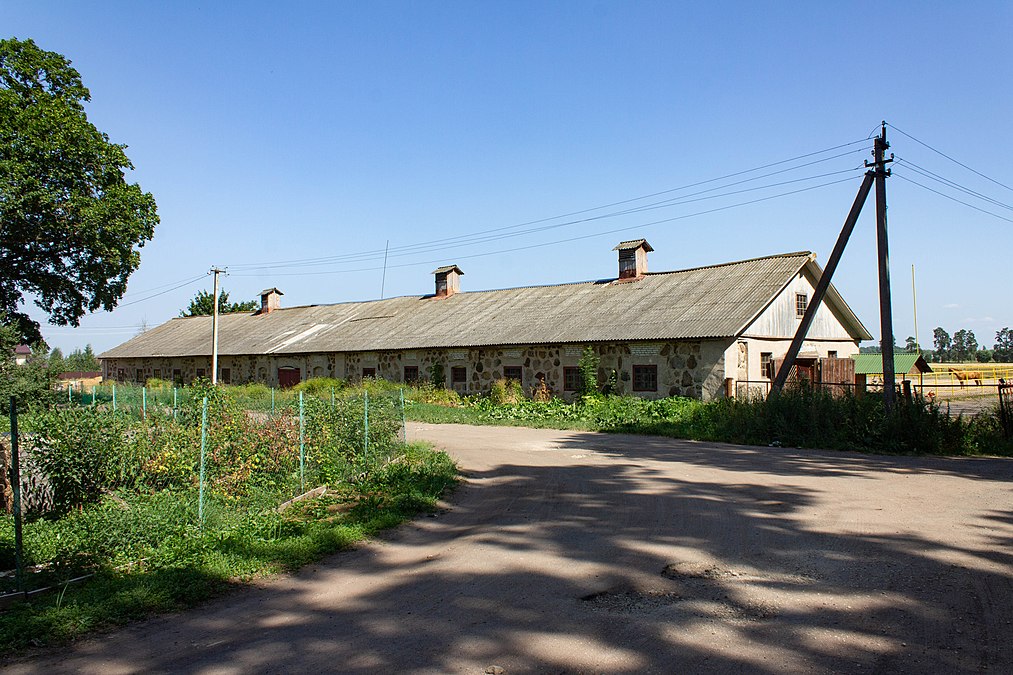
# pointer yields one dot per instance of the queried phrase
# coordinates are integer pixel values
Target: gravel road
(573, 552)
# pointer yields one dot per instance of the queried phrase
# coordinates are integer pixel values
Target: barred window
(411, 373)
(645, 378)
(571, 378)
(458, 375)
(512, 373)
(368, 372)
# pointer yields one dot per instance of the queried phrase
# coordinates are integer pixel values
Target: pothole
(629, 599)
(696, 570)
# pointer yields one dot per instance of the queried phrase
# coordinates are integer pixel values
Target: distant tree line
(79, 360)
(962, 346)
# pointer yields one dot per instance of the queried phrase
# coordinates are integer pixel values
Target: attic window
(801, 304)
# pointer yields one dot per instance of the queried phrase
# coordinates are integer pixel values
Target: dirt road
(581, 552)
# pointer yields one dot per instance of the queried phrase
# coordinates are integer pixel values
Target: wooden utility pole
(885, 306)
(822, 285)
(214, 329)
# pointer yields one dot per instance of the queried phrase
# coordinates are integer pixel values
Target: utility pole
(214, 328)
(885, 306)
(914, 305)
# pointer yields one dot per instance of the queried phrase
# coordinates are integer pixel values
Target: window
(832, 354)
(368, 372)
(458, 375)
(156, 373)
(139, 375)
(226, 377)
(121, 374)
(571, 378)
(200, 372)
(801, 304)
(645, 378)
(767, 365)
(512, 373)
(411, 373)
(177, 376)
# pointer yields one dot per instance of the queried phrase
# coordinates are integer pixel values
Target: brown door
(288, 377)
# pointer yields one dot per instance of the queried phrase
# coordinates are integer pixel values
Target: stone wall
(694, 368)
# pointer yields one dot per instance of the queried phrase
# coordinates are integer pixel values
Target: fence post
(114, 398)
(332, 398)
(404, 423)
(203, 446)
(93, 395)
(302, 445)
(144, 403)
(365, 419)
(272, 401)
(174, 403)
(15, 477)
(70, 392)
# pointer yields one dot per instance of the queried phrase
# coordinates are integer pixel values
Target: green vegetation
(125, 507)
(203, 304)
(800, 417)
(71, 222)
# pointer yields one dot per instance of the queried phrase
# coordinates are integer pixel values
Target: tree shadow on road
(615, 562)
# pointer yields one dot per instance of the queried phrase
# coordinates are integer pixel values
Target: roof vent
(633, 258)
(448, 280)
(270, 300)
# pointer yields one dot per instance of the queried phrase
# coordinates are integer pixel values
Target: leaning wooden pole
(822, 285)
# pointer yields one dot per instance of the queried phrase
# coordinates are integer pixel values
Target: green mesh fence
(109, 478)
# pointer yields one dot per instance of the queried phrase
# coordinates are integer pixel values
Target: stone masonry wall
(693, 368)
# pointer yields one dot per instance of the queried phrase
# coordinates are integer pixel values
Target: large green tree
(70, 224)
(204, 302)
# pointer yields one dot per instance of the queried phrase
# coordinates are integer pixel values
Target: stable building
(694, 332)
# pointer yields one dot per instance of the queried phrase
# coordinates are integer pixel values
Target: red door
(288, 377)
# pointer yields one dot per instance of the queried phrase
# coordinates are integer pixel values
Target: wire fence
(104, 479)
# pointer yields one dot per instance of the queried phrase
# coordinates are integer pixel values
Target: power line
(940, 152)
(569, 239)
(950, 197)
(478, 236)
(950, 183)
(687, 199)
(155, 295)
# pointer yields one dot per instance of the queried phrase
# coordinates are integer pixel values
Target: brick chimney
(270, 300)
(633, 258)
(448, 280)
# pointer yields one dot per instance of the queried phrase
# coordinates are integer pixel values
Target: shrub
(588, 367)
(320, 386)
(157, 383)
(506, 391)
(427, 392)
(80, 452)
(437, 376)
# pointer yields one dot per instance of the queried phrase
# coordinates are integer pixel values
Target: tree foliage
(941, 340)
(1002, 351)
(965, 346)
(204, 301)
(31, 383)
(70, 224)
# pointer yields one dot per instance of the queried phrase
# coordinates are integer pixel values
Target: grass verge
(182, 564)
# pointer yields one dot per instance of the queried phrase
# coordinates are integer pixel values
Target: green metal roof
(872, 364)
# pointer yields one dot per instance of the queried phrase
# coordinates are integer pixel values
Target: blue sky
(296, 131)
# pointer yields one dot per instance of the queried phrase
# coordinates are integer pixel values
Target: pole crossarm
(823, 284)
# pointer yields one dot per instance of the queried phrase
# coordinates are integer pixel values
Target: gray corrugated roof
(715, 301)
(633, 244)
